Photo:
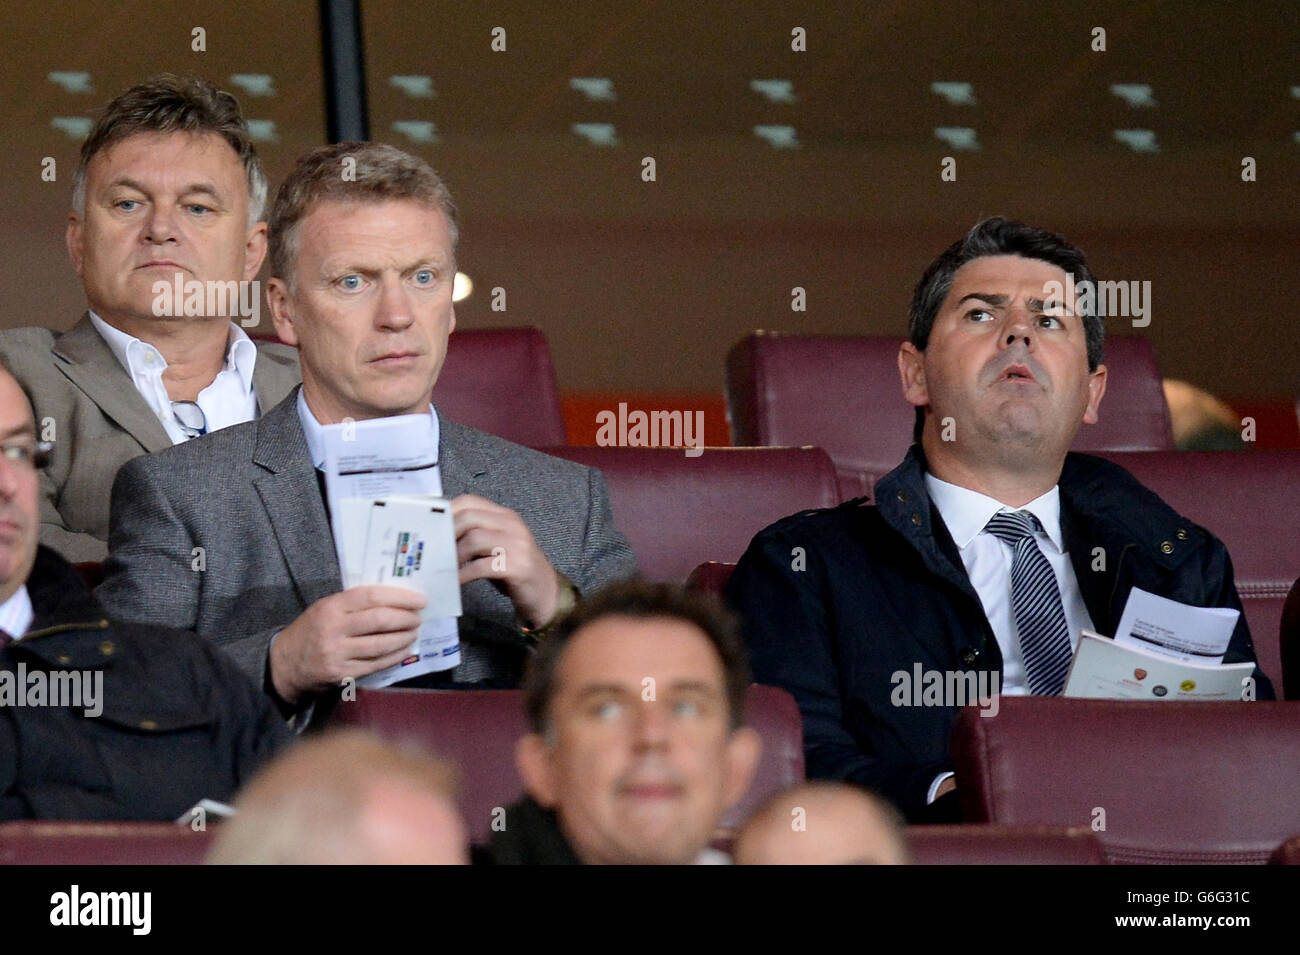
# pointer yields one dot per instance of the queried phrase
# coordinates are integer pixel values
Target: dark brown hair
(641, 600)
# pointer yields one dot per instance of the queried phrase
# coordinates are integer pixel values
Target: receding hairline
(204, 136)
(566, 651)
(292, 235)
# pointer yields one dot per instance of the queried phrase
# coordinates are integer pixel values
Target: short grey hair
(168, 103)
(377, 173)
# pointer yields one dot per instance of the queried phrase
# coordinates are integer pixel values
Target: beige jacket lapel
(90, 364)
(275, 374)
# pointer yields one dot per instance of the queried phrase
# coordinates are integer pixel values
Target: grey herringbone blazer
(100, 422)
(249, 497)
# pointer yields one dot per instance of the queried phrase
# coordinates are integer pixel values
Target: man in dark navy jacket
(101, 719)
(988, 549)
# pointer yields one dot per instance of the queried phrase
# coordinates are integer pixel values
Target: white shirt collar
(312, 430)
(241, 352)
(16, 613)
(966, 512)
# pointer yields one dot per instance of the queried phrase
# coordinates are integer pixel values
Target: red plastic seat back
(501, 380)
(993, 844)
(679, 511)
(1169, 782)
(102, 843)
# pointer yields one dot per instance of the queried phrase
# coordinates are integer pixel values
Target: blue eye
(351, 282)
(123, 203)
(608, 710)
(193, 206)
(686, 708)
(424, 277)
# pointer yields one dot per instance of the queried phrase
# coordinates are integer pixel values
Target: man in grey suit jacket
(168, 195)
(230, 536)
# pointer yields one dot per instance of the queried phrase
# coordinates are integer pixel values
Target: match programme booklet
(1106, 670)
(393, 526)
(1163, 650)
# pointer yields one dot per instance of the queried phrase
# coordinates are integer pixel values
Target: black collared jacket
(837, 601)
(179, 721)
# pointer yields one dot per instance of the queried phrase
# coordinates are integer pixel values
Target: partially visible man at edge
(101, 719)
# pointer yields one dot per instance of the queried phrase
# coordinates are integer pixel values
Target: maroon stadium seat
(92, 572)
(101, 843)
(1288, 853)
(993, 844)
(478, 729)
(678, 511)
(1249, 501)
(711, 577)
(1290, 640)
(501, 380)
(842, 393)
(1177, 782)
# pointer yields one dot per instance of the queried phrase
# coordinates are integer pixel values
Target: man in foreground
(823, 824)
(637, 742)
(346, 798)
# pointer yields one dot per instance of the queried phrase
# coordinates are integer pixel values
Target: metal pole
(344, 68)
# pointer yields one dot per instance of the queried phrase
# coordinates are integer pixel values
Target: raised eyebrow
(205, 188)
(1040, 305)
(433, 265)
(26, 428)
(603, 689)
(989, 297)
(693, 686)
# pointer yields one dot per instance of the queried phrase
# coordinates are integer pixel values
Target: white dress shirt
(16, 613)
(228, 400)
(311, 430)
(988, 564)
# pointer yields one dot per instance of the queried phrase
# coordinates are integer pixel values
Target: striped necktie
(1036, 603)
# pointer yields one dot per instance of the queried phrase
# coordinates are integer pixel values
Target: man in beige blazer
(166, 233)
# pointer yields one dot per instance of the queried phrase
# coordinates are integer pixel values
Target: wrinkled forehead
(170, 162)
(342, 228)
(623, 652)
(1012, 278)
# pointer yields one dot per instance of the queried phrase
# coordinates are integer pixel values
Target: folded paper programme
(392, 526)
(1163, 650)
